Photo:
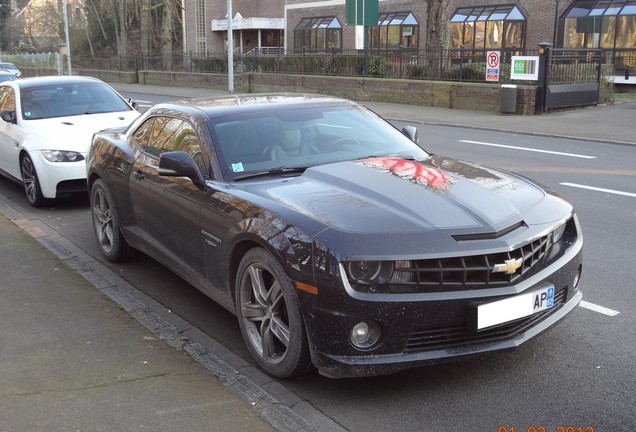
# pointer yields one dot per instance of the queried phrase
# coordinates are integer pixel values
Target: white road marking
(597, 189)
(599, 309)
(529, 149)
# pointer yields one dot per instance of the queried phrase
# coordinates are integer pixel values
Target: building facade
(321, 25)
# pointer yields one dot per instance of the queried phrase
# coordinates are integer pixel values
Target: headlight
(370, 272)
(558, 233)
(62, 156)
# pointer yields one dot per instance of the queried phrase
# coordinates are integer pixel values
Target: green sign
(362, 12)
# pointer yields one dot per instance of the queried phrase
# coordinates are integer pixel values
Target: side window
(143, 133)
(7, 99)
(172, 134)
(163, 134)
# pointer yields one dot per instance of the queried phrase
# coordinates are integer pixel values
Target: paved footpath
(71, 359)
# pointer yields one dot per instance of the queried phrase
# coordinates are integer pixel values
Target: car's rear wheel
(269, 316)
(31, 182)
(111, 241)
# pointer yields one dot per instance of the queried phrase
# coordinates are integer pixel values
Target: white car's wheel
(31, 183)
(111, 241)
(269, 316)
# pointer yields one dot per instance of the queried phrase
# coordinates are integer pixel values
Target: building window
(201, 27)
(600, 24)
(395, 30)
(488, 27)
(318, 34)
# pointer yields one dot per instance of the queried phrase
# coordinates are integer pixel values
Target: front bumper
(343, 366)
(424, 329)
(59, 179)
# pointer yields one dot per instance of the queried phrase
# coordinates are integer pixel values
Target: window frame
(395, 30)
(321, 33)
(599, 24)
(486, 27)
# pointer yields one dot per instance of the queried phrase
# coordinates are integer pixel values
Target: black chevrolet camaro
(338, 242)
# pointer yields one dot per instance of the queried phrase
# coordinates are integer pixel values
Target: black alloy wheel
(269, 316)
(111, 241)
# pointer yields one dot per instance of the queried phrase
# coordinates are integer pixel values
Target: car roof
(7, 65)
(220, 106)
(55, 80)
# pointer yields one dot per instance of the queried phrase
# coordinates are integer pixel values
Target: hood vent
(489, 236)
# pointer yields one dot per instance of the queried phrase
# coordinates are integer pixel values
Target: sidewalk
(610, 123)
(73, 360)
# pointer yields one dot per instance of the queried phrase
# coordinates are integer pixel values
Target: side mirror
(132, 103)
(411, 133)
(8, 116)
(180, 164)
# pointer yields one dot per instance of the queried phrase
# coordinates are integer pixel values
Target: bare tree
(39, 24)
(437, 33)
(120, 20)
(167, 34)
(146, 26)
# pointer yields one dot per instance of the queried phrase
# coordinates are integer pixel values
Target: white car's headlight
(62, 156)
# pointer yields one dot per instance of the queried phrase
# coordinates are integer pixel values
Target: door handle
(138, 175)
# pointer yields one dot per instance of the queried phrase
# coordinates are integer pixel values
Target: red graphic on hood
(410, 170)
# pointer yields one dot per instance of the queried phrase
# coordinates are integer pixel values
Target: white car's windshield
(69, 100)
(301, 137)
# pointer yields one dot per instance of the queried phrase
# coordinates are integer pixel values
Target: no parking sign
(492, 65)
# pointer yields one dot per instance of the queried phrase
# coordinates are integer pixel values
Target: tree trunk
(121, 35)
(146, 27)
(437, 34)
(166, 34)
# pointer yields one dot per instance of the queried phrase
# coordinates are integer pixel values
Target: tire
(269, 316)
(112, 243)
(31, 182)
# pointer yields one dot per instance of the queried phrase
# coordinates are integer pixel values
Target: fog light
(365, 334)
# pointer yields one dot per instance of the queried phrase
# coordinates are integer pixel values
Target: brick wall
(454, 95)
(443, 94)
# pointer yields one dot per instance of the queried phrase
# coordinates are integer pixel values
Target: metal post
(68, 44)
(542, 83)
(556, 24)
(230, 50)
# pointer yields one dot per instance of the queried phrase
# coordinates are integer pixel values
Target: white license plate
(510, 309)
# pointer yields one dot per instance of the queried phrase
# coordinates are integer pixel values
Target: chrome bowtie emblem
(509, 267)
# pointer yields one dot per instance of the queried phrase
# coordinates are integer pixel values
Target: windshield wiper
(273, 171)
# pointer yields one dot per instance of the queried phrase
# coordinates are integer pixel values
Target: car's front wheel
(111, 241)
(269, 316)
(31, 182)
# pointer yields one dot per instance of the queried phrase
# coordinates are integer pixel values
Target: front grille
(452, 337)
(463, 273)
(72, 186)
(476, 271)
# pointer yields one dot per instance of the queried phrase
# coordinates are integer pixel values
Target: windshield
(304, 136)
(70, 100)
(7, 77)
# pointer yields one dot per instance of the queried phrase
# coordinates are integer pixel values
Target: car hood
(392, 197)
(73, 132)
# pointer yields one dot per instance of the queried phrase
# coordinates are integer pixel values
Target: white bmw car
(47, 125)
